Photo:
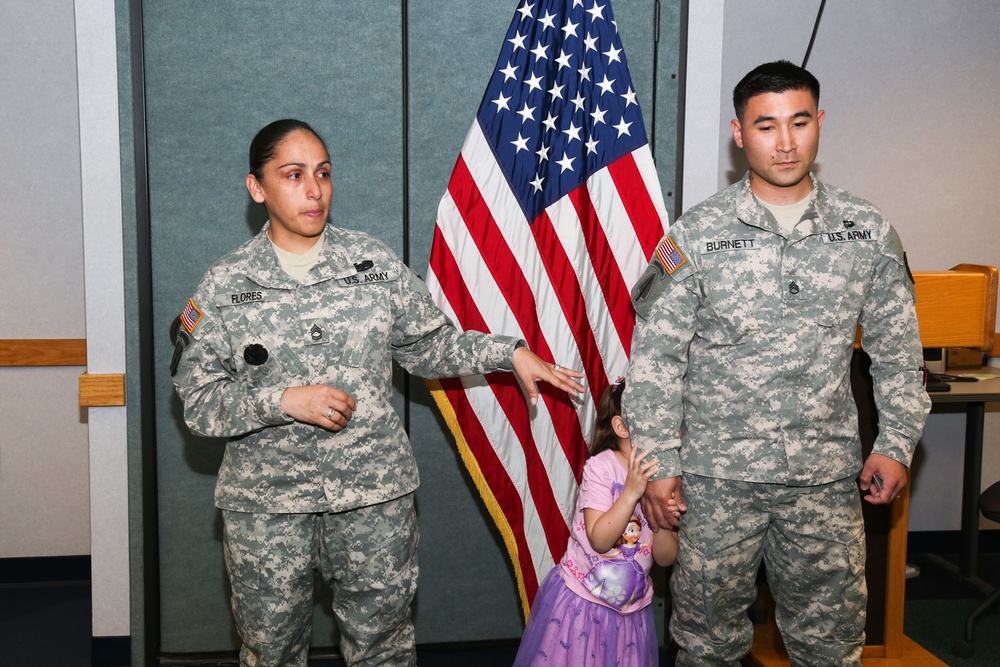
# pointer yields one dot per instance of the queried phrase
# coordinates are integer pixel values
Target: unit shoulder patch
(648, 288)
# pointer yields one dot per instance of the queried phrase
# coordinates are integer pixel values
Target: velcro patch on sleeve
(648, 288)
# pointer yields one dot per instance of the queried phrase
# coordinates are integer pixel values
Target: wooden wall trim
(43, 352)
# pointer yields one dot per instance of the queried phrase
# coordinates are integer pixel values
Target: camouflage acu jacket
(254, 331)
(740, 364)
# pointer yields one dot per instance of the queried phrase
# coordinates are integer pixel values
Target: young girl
(593, 609)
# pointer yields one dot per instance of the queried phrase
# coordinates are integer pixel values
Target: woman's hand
(530, 369)
(319, 404)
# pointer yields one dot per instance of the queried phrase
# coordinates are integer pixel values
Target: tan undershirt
(298, 266)
(788, 215)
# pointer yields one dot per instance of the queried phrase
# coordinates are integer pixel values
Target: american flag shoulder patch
(668, 254)
(190, 316)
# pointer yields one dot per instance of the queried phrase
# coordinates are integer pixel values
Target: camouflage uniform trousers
(369, 557)
(812, 542)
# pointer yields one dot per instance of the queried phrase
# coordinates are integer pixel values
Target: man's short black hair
(779, 76)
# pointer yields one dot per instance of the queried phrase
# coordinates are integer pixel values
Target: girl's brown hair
(608, 407)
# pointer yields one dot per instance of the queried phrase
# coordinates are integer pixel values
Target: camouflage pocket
(839, 296)
(741, 300)
(856, 554)
(710, 593)
(239, 551)
(360, 325)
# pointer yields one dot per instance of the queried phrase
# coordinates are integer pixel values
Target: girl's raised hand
(639, 472)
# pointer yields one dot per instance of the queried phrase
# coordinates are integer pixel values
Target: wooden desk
(975, 395)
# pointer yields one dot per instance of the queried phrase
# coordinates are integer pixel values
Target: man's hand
(319, 404)
(530, 369)
(662, 503)
(890, 471)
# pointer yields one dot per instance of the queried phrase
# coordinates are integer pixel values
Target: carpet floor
(48, 625)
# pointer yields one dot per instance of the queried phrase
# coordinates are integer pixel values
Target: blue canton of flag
(560, 105)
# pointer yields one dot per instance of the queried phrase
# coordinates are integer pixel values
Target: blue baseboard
(69, 571)
(111, 652)
(45, 570)
(948, 541)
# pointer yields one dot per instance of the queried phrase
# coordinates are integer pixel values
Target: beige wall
(44, 457)
(63, 469)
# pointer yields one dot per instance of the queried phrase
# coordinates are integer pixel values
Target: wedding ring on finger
(556, 367)
(329, 414)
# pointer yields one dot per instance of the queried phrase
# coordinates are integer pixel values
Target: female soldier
(286, 348)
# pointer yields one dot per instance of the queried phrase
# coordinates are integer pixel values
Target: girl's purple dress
(593, 610)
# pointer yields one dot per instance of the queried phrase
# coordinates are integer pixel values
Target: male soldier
(740, 384)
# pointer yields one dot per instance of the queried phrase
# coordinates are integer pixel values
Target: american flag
(190, 316)
(551, 214)
(668, 254)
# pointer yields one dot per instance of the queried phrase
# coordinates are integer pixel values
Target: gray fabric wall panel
(215, 73)
(467, 587)
(665, 141)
